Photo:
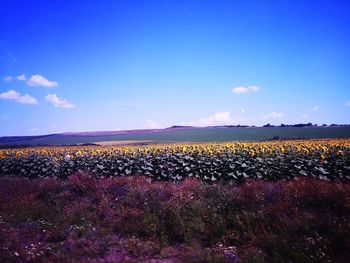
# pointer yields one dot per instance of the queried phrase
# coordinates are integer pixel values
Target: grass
(131, 219)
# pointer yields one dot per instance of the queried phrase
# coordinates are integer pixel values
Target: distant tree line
(288, 125)
(306, 125)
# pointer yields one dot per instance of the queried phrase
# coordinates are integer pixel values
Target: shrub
(92, 219)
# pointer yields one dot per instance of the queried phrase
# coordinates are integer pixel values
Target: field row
(237, 161)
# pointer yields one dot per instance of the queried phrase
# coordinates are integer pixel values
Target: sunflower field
(327, 159)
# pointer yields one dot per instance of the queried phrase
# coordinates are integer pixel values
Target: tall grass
(131, 219)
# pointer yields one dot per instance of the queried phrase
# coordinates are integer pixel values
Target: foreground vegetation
(131, 219)
(235, 161)
(276, 201)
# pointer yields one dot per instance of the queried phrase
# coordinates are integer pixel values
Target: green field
(196, 135)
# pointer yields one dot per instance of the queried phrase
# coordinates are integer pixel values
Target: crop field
(232, 161)
(233, 202)
(210, 134)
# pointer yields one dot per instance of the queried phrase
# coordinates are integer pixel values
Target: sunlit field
(202, 202)
(210, 162)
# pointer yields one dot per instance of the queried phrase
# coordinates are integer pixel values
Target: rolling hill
(180, 134)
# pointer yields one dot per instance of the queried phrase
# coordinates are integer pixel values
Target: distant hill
(183, 134)
(123, 132)
(15, 139)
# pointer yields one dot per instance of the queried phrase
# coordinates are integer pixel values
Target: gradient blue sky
(107, 65)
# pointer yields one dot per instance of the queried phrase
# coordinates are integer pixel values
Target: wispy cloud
(17, 97)
(21, 77)
(39, 80)
(347, 104)
(316, 108)
(218, 118)
(242, 89)
(150, 124)
(8, 78)
(253, 88)
(306, 115)
(58, 102)
(273, 115)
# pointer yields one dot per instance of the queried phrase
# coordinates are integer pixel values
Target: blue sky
(107, 65)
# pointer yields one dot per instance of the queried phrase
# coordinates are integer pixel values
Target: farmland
(240, 201)
(184, 134)
(235, 161)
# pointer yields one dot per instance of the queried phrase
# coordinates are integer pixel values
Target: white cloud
(242, 89)
(253, 88)
(273, 115)
(217, 119)
(316, 108)
(34, 129)
(58, 102)
(8, 78)
(347, 104)
(34, 81)
(38, 80)
(150, 124)
(17, 97)
(21, 77)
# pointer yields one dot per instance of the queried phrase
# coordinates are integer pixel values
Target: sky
(70, 66)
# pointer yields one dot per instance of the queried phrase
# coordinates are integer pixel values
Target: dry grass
(131, 219)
